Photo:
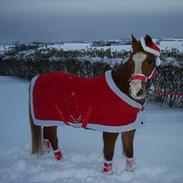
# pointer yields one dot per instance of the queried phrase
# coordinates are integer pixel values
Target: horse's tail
(36, 132)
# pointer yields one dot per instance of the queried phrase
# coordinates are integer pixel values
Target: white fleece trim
(46, 140)
(113, 129)
(152, 73)
(56, 151)
(148, 49)
(119, 93)
(31, 97)
(108, 162)
(130, 159)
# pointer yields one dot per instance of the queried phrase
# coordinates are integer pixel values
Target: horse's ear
(148, 40)
(135, 44)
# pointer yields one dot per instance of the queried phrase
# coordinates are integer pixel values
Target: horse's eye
(150, 61)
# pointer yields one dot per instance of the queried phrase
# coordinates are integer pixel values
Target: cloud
(88, 19)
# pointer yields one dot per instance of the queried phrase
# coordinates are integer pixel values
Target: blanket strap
(87, 117)
(61, 116)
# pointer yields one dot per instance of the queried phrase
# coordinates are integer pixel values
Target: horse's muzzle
(137, 89)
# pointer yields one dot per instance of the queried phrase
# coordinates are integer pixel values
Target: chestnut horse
(130, 78)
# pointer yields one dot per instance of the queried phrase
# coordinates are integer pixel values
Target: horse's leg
(127, 140)
(36, 133)
(109, 140)
(50, 133)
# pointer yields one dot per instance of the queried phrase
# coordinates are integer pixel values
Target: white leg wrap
(108, 162)
(130, 164)
(57, 150)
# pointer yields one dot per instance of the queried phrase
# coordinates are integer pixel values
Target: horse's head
(145, 58)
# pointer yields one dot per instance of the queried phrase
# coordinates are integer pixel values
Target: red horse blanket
(59, 98)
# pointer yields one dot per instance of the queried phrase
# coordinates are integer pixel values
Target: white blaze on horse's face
(137, 89)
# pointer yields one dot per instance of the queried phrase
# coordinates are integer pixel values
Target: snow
(69, 46)
(158, 147)
(165, 44)
(172, 44)
(5, 48)
(86, 46)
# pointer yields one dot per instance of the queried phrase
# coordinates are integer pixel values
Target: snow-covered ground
(86, 46)
(158, 147)
(165, 44)
(169, 44)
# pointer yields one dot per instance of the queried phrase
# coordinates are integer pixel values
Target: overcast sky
(55, 20)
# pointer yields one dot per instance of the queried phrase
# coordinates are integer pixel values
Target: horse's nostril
(140, 93)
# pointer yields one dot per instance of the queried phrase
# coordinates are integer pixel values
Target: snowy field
(158, 147)
(86, 46)
(165, 44)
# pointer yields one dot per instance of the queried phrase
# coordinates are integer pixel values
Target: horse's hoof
(58, 154)
(130, 165)
(107, 168)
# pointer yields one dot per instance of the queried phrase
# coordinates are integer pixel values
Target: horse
(129, 80)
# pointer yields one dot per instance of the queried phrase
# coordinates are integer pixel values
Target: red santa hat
(151, 47)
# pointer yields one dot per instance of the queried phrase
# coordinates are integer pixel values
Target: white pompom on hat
(158, 61)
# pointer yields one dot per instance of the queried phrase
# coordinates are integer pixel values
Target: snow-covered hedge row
(28, 69)
(169, 85)
(169, 79)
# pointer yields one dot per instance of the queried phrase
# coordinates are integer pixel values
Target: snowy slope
(86, 46)
(158, 147)
(165, 44)
(169, 44)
